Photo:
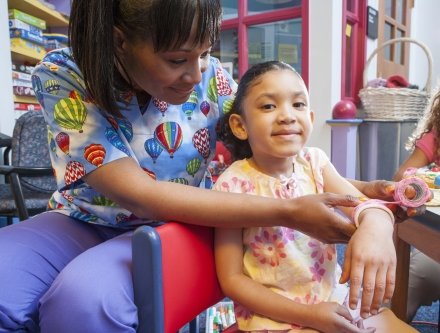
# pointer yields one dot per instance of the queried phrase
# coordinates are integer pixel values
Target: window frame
(243, 21)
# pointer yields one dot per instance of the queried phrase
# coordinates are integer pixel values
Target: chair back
(174, 275)
(30, 149)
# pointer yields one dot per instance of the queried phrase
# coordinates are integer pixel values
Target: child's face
(277, 120)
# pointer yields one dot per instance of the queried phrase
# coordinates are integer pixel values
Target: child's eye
(268, 106)
(299, 105)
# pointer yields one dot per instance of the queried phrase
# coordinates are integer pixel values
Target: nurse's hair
(240, 149)
(166, 23)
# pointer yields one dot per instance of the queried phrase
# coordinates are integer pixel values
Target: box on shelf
(27, 107)
(21, 76)
(22, 43)
(17, 24)
(21, 33)
(23, 91)
(219, 317)
(32, 20)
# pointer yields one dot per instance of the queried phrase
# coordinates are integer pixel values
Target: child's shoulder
(238, 172)
(313, 155)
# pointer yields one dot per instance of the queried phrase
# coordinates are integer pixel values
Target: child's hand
(370, 262)
(330, 317)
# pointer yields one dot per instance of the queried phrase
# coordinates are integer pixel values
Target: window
(394, 22)
(259, 30)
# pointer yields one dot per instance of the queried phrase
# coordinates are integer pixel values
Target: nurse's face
(167, 75)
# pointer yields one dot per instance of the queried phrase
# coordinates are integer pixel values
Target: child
(424, 284)
(281, 279)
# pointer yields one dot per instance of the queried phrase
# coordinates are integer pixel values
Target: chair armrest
(5, 140)
(26, 171)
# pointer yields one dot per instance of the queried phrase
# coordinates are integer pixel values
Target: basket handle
(403, 40)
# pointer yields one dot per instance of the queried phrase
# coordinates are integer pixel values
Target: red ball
(344, 109)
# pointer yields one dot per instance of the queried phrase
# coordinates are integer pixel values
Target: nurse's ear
(238, 126)
(119, 41)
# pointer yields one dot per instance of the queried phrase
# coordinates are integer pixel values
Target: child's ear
(238, 127)
(312, 116)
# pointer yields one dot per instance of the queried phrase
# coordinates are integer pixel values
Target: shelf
(37, 9)
(25, 99)
(21, 54)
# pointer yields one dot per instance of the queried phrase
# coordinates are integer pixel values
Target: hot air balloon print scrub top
(170, 142)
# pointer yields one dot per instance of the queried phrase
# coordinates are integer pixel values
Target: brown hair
(167, 22)
(429, 122)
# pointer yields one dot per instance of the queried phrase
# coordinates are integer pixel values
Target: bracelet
(372, 203)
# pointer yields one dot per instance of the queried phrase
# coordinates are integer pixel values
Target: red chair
(174, 276)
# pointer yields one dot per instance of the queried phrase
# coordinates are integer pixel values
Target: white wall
(7, 118)
(425, 28)
(325, 47)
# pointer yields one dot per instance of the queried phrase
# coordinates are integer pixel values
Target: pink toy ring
(423, 193)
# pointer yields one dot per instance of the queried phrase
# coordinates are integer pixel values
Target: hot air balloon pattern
(63, 141)
(77, 78)
(113, 137)
(56, 58)
(74, 94)
(95, 154)
(160, 105)
(189, 106)
(38, 89)
(70, 113)
(205, 107)
(83, 216)
(227, 106)
(150, 173)
(218, 86)
(169, 136)
(126, 96)
(153, 148)
(179, 180)
(51, 141)
(52, 86)
(103, 201)
(193, 166)
(201, 140)
(113, 122)
(126, 128)
(74, 171)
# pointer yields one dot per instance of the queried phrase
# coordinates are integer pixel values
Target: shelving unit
(37, 9)
(23, 55)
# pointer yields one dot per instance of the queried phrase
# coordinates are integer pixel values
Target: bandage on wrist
(372, 203)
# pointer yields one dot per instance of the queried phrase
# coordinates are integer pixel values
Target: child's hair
(241, 149)
(167, 23)
(430, 121)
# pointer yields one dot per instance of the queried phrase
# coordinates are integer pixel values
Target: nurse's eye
(205, 54)
(178, 61)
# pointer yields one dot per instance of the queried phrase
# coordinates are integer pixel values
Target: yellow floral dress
(285, 260)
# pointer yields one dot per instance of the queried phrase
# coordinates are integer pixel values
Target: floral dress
(169, 142)
(285, 260)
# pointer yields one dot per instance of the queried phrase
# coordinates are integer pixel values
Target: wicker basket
(396, 103)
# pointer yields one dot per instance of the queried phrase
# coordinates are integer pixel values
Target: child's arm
(326, 316)
(417, 159)
(373, 243)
